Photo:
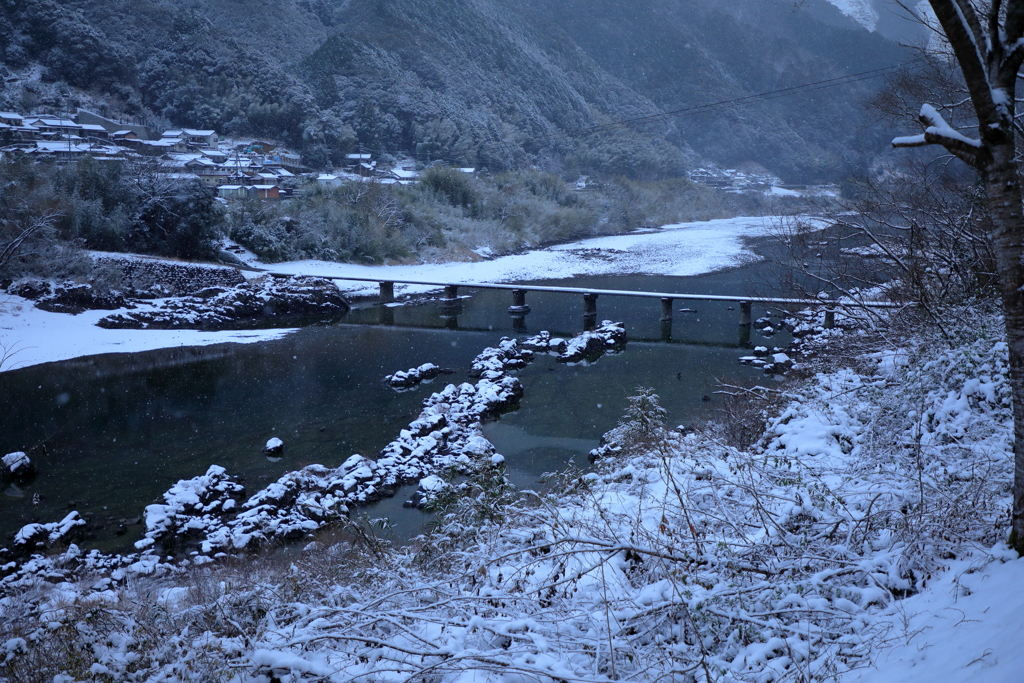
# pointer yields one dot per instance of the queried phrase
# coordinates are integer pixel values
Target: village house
(290, 161)
(202, 138)
(215, 155)
(233, 191)
(92, 130)
(210, 173)
(11, 119)
(49, 125)
(404, 176)
(152, 147)
(353, 160)
(329, 180)
(266, 191)
(72, 150)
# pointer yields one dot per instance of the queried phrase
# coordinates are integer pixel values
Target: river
(110, 433)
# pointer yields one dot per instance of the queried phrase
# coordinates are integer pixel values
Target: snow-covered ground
(677, 250)
(967, 628)
(31, 336)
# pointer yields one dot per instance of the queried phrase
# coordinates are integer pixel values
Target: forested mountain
(494, 83)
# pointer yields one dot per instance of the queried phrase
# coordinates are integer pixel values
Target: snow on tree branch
(938, 132)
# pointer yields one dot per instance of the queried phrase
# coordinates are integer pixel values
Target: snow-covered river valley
(120, 429)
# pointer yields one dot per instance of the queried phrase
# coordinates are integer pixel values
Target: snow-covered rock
(545, 343)
(17, 466)
(274, 448)
(494, 362)
(33, 537)
(610, 337)
(191, 507)
(217, 307)
(413, 376)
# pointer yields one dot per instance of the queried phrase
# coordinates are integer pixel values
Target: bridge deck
(604, 292)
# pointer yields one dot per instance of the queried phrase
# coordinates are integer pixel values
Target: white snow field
(679, 249)
(967, 628)
(31, 336)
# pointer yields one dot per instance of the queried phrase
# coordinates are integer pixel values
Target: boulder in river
(404, 379)
(35, 537)
(610, 337)
(274, 448)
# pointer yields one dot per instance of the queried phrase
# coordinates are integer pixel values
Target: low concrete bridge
(519, 307)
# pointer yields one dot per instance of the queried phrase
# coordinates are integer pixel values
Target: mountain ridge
(489, 83)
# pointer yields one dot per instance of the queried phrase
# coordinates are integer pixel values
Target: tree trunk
(988, 44)
(1003, 195)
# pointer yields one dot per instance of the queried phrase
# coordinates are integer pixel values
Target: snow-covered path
(31, 336)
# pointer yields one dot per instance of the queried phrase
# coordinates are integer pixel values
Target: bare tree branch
(10, 250)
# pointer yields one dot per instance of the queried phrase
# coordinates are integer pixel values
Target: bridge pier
(518, 308)
(666, 309)
(387, 292)
(745, 337)
(451, 293)
(745, 308)
(830, 318)
(745, 323)
(589, 311)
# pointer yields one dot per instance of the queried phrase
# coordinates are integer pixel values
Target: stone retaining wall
(174, 278)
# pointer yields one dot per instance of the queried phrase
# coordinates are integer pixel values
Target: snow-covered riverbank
(679, 250)
(31, 336)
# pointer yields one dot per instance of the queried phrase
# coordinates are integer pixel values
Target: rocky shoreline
(214, 308)
(163, 295)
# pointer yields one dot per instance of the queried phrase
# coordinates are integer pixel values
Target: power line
(722, 104)
(711, 106)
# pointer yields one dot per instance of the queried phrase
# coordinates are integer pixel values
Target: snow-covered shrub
(642, 423)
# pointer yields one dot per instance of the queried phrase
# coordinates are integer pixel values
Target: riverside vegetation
(49, 214)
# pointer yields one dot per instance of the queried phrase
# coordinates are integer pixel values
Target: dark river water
(110, 433)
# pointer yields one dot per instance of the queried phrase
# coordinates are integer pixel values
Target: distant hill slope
(495, 83)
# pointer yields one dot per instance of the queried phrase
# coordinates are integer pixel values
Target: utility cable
(722, 104)
(709, 107)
